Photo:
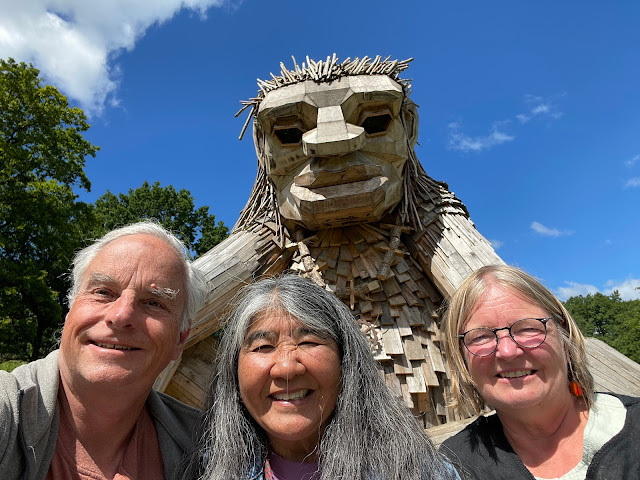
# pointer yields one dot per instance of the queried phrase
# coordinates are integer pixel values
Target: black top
(481, 451)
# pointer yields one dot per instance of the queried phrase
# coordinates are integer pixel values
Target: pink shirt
(142, 458)
(283, 469)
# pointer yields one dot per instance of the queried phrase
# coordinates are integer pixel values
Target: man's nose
(287, 364)
(332, 135)
(122, 311)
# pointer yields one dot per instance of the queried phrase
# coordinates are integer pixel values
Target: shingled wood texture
(392, 277)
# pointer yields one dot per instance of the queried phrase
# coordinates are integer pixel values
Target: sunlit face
(515, 378)
(289, 380)
(123, 327)
(335, 151)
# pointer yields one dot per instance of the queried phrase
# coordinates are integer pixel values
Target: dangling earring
(576, 389)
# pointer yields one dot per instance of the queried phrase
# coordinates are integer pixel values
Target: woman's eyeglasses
(527, 333)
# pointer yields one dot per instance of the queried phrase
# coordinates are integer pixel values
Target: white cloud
(632, 182)
(466, 143)
(549, 232)
(538, 107)
(627, 289)
(496, 244)
(74, 42)
(632, 161)
(574, 289)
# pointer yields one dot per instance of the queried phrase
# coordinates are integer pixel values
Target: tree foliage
(175, 210)
(610, 319)
(42, 157)
(42, 160)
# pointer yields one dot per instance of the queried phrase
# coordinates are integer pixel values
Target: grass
(11, 364)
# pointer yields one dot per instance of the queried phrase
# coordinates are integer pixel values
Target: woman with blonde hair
(512, 346)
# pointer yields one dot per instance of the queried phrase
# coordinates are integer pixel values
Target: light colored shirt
(606, 419)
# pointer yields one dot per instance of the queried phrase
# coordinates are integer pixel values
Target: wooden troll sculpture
(341, 198)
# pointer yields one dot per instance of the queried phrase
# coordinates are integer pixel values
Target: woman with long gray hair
(297, 395)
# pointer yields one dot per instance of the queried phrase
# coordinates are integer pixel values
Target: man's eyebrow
(163, 292)
(96, 278)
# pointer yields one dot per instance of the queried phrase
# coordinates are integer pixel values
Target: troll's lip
(290, 396)
(516, 374)
(114, 346)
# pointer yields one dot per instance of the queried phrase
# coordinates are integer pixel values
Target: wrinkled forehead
(372, 88)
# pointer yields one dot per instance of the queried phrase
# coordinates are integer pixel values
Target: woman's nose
(287, 364)
(507, 347)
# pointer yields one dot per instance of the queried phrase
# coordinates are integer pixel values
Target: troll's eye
(288, 136)
(376, 123)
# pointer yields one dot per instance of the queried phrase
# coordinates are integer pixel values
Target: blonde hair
(463, 303)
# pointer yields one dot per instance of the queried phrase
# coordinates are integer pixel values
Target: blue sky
(530, 111)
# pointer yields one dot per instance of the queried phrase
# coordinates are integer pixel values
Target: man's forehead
(377, 88)
(138, 254)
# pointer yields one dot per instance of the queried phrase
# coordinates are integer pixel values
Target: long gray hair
(370, 435)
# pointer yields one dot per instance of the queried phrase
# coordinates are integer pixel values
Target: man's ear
(180, 345)
(410, 118)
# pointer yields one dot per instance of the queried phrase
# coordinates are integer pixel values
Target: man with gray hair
(88, 410)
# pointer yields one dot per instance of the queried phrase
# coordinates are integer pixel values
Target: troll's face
(335, 151)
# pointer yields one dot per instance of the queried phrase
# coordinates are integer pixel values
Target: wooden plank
(344, 268)
(363, 271)
(413, 349)
(334, 253)
(391, 379)
(415, 381)
(430, 376)
(401, 366)
(392, 341)
(406, 394)
(403, 327)
(365, 306)
(413, 315)
(367, 261)
(436, 356)
(345, 254)
(397, 301)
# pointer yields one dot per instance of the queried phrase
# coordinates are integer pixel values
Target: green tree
(42, 157)
(596, 314)
(175, 210)
(610, 319)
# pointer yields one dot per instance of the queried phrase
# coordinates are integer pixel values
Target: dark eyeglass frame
(495, 333)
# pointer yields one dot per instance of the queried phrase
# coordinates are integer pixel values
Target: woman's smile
(289, 379)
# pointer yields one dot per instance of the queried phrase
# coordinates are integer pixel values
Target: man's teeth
(114, 347)
(519, 373)
(291, 395)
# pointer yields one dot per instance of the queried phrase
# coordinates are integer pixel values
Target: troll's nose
(333, 135)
